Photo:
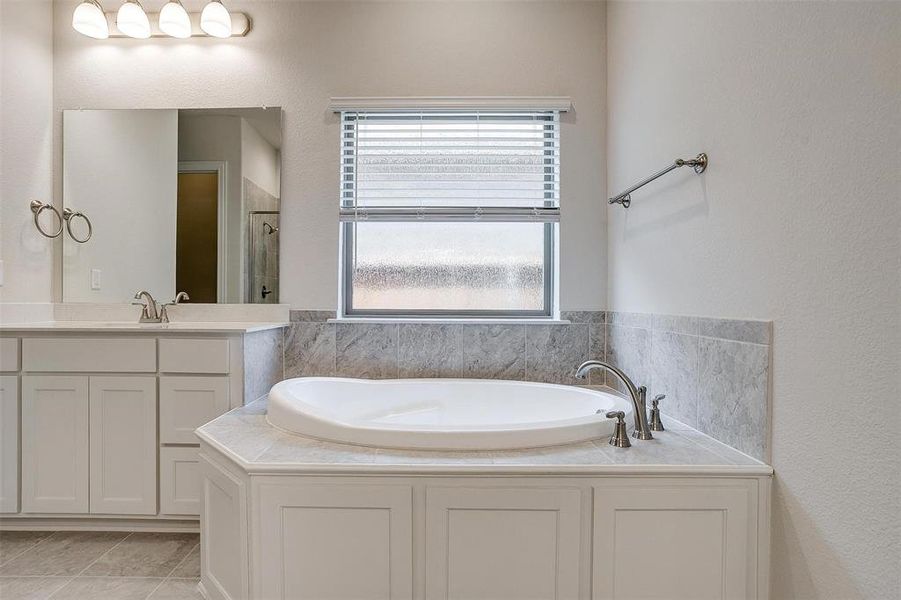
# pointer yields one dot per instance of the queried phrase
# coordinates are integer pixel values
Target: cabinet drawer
(108, 355)
(180, 481)
(194, 356)
(186, 403)
(9, 354)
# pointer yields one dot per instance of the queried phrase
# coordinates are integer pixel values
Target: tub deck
(246, 438)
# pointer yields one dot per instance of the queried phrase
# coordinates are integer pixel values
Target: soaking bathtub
(442, 414)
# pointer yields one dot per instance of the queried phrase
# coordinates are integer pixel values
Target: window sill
(438, 321)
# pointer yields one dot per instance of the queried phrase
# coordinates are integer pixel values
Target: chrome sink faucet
(638, 395)
(149, 312)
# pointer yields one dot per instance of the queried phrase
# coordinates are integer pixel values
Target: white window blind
(449, 213)
(450, 166)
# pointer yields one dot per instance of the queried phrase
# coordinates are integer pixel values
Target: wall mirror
(169, 201)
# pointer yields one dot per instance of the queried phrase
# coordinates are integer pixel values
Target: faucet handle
(620, 437)
(164, 309)
(144, 309)
(656, 424)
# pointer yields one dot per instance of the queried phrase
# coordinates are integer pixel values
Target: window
(449, 214)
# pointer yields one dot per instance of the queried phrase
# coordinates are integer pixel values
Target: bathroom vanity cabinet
(96, 427)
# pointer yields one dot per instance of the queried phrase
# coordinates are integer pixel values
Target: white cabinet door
(179, 481)
(54, 444)
(186, 403)
(691, 539)
(123, 445)
(502, 543)
(9, 444)
(333, 542)
(223, 533)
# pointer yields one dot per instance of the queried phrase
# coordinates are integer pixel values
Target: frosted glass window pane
(448, 266)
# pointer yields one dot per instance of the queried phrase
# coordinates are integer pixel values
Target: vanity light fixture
(215, 20)
(88, 19)
(174, 20)
(132, 20)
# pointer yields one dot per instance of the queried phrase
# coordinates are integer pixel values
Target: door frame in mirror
(220, 168)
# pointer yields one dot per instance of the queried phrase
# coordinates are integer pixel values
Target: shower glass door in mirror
(171, 200)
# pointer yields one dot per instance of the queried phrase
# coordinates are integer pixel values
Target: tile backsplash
(714, 372)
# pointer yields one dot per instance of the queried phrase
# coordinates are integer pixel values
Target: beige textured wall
(26, 93)
(797, 220)
(301, 53)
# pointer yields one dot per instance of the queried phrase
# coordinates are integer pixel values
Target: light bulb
(132, 20)
(174, 20)
(215, 20)
(88, 19)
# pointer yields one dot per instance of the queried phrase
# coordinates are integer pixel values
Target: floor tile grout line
(29, 548)
(181, 562)
(153, 591)
(80, 573)
(169, 576)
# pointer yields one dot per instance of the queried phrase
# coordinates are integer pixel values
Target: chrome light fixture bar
(173, 21)
(698, 163)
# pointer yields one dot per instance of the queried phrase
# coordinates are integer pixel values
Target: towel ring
(37, 207)
(68, 215)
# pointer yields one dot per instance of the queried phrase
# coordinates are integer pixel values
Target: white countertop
(133, 326)
(244, 436)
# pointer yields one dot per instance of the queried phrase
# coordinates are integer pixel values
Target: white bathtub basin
(445, 414)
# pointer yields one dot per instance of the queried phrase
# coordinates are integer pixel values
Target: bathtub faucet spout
(638, 395)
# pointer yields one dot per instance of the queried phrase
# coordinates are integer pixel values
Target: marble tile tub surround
(714, 372)
(524, 352)
(264, 362)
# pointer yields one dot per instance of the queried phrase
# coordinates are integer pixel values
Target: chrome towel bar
(698, 163)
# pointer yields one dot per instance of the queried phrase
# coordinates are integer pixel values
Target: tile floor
(36, 565)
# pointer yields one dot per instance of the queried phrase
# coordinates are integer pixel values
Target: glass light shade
(132, 20)
(174, 20)
(215, 20)
(88, 19)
